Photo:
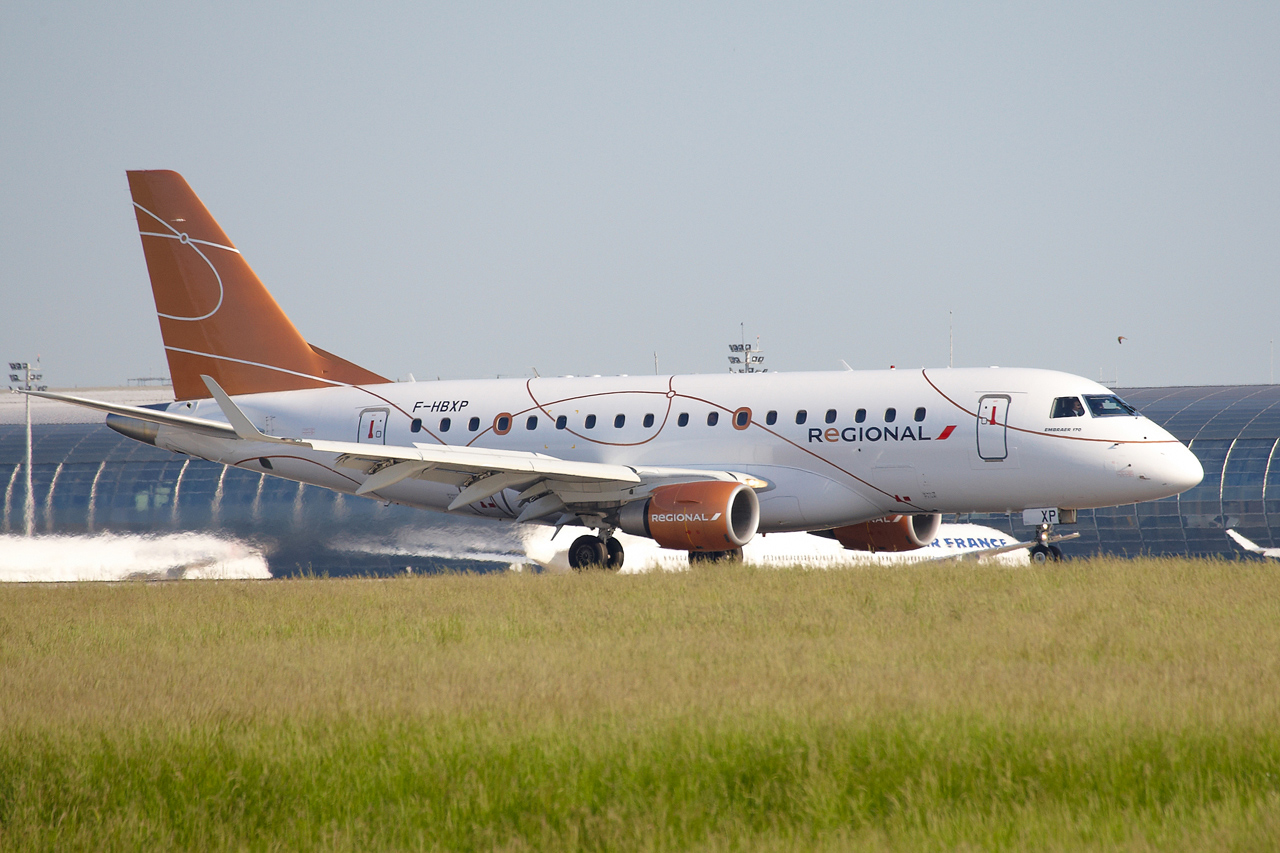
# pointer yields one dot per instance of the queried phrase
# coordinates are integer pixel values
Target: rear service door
(373, 426)
(993, 418)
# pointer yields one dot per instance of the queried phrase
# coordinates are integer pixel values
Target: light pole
(24, 381)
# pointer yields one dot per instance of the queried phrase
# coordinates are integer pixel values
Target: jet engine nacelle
(710, 515)
(891, 533)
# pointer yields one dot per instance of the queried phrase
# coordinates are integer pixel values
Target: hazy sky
(466, 189)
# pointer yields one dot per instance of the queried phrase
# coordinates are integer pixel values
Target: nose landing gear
(1042, 551)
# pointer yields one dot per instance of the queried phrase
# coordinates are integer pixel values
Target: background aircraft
(952, 541)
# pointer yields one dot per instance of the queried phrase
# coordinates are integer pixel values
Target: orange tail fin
(216, 318)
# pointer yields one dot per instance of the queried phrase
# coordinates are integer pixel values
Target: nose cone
(1176, 469)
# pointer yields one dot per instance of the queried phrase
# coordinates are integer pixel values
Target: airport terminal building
(87, 478)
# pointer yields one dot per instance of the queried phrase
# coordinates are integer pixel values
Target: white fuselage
(956, 440)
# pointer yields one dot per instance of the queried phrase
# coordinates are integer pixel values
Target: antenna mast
(745, 358)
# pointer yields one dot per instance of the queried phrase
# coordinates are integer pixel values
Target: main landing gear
(592, 552)
(1042, 551)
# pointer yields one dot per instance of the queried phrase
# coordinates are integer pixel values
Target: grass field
(1100, 705)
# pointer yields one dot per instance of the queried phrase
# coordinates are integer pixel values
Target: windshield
(1067, 407)
(1107, 405)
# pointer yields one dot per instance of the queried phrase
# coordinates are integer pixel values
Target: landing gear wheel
(1045, 553)
(614, 555)
(587, 552)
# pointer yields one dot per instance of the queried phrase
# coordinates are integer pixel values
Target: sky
(468, 190)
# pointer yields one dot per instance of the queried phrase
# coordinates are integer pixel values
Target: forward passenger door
(993, 420)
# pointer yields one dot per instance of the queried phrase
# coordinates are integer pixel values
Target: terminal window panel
(136, 496)
(1243, 483)
(1160, 525)
(239, 488)
(12, 510)
(1271, 498)
(197, 495)
(1117, 527)
(1265, 425)
(1186, 425)
(71, 496)
(1203, 502)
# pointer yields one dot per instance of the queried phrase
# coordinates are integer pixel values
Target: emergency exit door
(993, 421)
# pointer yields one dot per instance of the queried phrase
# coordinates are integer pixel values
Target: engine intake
(891, 533)
(710, 515)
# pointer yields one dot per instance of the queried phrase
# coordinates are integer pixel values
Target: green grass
(1102, 705)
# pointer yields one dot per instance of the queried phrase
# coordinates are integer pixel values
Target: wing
(1250, 545)
(200, 425)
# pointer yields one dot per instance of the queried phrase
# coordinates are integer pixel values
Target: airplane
(1250, 546)
(697, 463)
(968, 542)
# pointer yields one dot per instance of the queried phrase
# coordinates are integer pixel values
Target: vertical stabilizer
(216, 318)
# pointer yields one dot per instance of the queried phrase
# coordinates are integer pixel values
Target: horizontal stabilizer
(185, 422)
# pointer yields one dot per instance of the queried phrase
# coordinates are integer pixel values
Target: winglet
(239, 420)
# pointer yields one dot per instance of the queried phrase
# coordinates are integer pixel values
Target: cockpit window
(1067, 407)
(1107, 405)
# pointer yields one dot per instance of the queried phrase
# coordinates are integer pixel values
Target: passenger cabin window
(831, 416)
(802, 416)
(445, 423)
(618, 421)
(415, 425)
(562, 422)
(473, 424)
(890, 415)
(713, 418)
(1108, 405)
(502, 425)
(532, 423)
(920, 414)
(1067, 407)
(683, 420)
(741, 418)
(860, 416)
(590, 422)
(771, 418)
(648, 421)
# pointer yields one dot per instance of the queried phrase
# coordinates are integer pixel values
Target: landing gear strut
(591, 552)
